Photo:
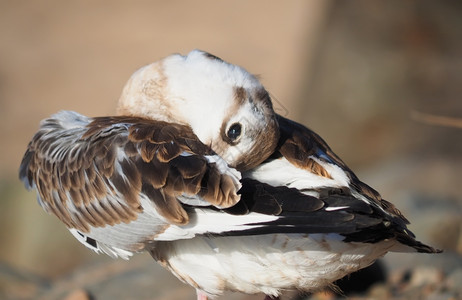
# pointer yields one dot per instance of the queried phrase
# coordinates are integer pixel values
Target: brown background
(355, 72)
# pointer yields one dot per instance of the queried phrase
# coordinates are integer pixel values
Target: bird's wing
(94, 172)
(305, 188)
(305, 149)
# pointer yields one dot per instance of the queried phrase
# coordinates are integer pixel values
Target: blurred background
(380, 81)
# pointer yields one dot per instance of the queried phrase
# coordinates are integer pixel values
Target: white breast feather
(268, 263)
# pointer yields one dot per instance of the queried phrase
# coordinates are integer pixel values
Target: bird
(181, 136)
(200, 171)
(323, 223)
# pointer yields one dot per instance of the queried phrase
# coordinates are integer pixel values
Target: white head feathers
(227, 107)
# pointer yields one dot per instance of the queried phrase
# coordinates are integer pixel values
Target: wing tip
(410, 242)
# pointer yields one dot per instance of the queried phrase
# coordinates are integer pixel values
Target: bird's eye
(234, 131)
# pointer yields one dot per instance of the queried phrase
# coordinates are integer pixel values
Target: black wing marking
(336, 210)
(299, 144)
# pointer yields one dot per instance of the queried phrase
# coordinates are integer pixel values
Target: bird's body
(322, 224)
(269, 264)
(240, 199)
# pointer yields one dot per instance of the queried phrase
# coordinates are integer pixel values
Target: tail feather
(408, 244)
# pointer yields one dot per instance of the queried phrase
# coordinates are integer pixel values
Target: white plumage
(200, 171)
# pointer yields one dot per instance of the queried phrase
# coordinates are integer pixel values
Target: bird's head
(226, 107)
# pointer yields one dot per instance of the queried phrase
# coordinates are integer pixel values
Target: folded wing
(94, 172)
(307, 189)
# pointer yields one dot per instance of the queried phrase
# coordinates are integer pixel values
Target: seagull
(198, 170)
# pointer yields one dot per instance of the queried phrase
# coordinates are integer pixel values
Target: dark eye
(234, 131)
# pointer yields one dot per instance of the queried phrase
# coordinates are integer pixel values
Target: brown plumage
(76, 174)
(165, 178)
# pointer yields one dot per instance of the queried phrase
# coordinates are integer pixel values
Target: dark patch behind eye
(263, 96)
(240, 94)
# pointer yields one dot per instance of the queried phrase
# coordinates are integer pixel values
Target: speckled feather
(75, 168)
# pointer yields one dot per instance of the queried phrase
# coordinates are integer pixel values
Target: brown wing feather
(298, 144)
(91, 172)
